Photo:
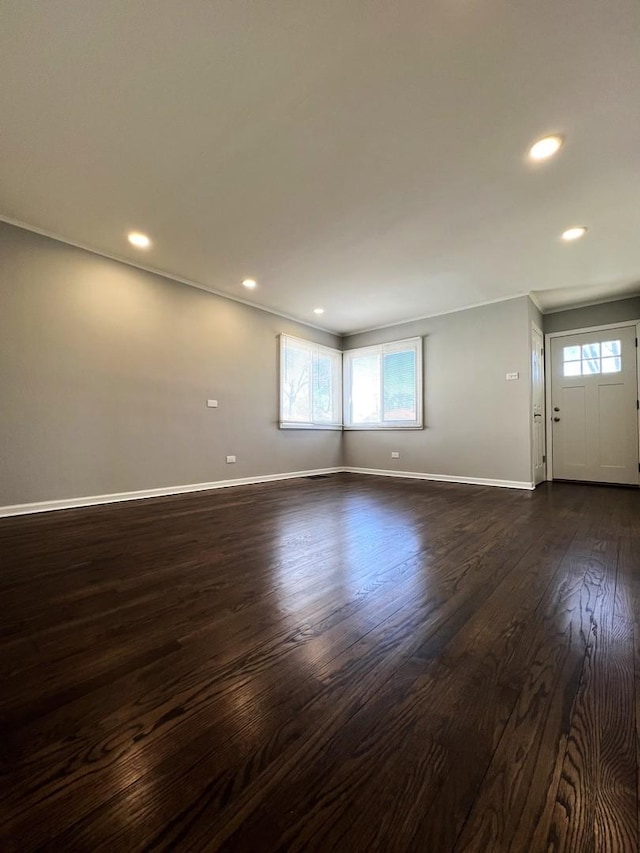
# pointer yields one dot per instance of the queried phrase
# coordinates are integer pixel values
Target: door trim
(548, 377)
(536, 328)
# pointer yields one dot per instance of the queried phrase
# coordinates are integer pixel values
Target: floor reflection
(322, 563)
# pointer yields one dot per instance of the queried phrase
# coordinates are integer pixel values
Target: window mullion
(381, 371)
(313, 364)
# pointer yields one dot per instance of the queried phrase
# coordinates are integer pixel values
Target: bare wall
(105, 371)
(593, 315)
(477, 423)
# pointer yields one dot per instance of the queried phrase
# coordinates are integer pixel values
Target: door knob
(556, 409)
(556, 419)
(537, 415)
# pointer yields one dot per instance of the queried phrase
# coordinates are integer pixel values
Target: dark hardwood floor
(352, 663)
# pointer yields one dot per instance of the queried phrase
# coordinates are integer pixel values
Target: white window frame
(314, 347)
(383, 349)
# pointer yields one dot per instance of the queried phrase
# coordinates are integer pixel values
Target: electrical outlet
(212, 404)
(395, 454)
(231, 458)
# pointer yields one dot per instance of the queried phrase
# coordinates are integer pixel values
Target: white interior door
(537, 406)
(594, 392)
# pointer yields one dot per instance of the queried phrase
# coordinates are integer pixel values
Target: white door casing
(594, 418)
(537, 406)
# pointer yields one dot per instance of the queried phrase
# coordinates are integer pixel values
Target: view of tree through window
(382, 385)
(310, 386)
(322, 387)
(296, 384)
(592, 358)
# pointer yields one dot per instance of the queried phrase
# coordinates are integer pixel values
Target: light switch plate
(231, 458)
(212, 404)
(513, 376)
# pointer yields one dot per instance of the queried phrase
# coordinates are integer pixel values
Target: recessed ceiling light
(546, 147)
(249, 283)
(574, 233)
(140, 241)
(318, 310)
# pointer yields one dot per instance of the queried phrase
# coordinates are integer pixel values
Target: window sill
(377, 428)
(311, 426)
(360, 427)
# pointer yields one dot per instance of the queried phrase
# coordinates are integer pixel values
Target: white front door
(594, 417)
(537, 405)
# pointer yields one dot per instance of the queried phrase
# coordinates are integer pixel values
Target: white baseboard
(95, 500)
(444, 478)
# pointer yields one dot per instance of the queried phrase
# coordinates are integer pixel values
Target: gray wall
(105, 371)
(594, 315)
(536, 316)
(477, 423)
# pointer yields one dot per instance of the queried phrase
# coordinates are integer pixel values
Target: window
(383, 386)
(310, 385)
(593, 358)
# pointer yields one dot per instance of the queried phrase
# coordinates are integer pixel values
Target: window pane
(296, 390)
(572, 354)
(322, 385)
(365, 389)
(400, 386)
(590, 365)
(383, 386)
(612, 365)
(610, 348)
(591, 351)
(572, 368)
(310, 384)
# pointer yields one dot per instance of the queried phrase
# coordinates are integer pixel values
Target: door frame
(535, 327)
(549, 378)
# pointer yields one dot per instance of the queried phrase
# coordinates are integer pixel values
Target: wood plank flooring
(351, 663)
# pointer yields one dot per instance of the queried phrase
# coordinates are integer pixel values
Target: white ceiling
(367, 157)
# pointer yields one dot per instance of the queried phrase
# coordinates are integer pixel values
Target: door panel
(574, 435)
(612, 434)
(594, 390)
